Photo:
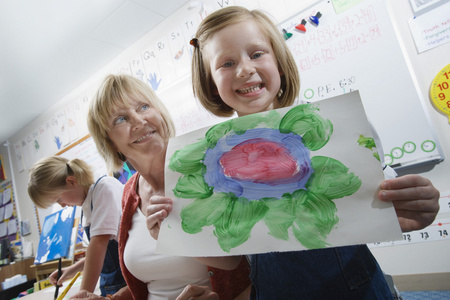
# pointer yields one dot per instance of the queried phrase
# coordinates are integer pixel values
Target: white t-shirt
(166, 276)
(107, 209)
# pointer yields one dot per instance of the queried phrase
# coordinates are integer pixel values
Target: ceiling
(49, 47)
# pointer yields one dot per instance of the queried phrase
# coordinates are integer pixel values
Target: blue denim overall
(111, 279)
(349, 272)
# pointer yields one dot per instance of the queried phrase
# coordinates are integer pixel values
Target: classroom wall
(428, 257)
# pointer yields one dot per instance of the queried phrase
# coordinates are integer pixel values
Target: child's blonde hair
(202, 81)
(48, 178)
(115, 92)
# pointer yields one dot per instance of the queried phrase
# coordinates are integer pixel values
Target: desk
(14, 291)
(44, 270)
(18, 267)
(48, 293)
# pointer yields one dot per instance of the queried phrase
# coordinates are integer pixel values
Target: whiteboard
(86, 150)
(358, 49)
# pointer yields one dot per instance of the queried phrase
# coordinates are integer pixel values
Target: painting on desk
(56, 236)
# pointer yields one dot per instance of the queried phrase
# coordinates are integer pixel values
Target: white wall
(428, 257)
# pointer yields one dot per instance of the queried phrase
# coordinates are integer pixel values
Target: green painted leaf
(331, 179)
(191, 187)
(234, 228)
(189, 160)
(280, 216)
(315, 218)
(204, 212)
(302, 120)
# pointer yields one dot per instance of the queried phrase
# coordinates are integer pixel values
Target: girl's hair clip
(194, 42)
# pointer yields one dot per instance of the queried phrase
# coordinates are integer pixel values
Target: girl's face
(138, 131)
(244, 68)
(73, 194)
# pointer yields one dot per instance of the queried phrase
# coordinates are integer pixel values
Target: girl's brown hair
(202, 82)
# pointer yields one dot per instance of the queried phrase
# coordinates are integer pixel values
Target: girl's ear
(71, 180)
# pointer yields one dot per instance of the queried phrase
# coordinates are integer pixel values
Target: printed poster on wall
(19, 157)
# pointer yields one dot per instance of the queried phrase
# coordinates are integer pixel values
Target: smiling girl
(242, 64)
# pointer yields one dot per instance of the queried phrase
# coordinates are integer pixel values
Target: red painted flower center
(260, 161)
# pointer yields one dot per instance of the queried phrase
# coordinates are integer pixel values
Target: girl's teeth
(250, 89)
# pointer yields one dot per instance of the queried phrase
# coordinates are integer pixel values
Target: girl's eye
(257, 55)
(227, 64)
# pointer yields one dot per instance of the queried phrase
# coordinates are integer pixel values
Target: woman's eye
(119, 120)
(144, 107)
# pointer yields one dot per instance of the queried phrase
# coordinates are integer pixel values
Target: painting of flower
(265, 171)
(261, 180)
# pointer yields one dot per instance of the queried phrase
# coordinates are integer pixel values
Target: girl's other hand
(86, 295)
(197, 292)
(415, 199)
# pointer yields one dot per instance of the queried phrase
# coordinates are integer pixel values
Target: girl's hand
(193, 291)
(415, 199)
(86, 295)
(65, 274)
(159, 208)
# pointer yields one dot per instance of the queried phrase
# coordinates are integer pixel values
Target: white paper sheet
(6, 196)
(362, 218)
(12, 227)
(3, 229)
(432, 28)
(9, 208)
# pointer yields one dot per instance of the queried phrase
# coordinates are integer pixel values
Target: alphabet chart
(347, 51)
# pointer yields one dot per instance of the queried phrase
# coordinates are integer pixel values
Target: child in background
(242, 64)
(56, 179)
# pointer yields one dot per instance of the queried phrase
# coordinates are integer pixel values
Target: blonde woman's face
(244, 68)
(137, 131)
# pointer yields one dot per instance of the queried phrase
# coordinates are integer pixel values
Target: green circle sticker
(397, 152)
(309, 93)
(409, 147)
(428, 146)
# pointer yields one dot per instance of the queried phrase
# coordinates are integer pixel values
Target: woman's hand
(415, 199)
(83, 294)
(159, 208)
(193, 291)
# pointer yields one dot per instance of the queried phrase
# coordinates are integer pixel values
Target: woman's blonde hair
(48, 178)
(202, 81)
(115, 92)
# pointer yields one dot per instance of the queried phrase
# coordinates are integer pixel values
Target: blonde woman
(129, 123)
